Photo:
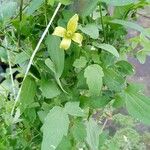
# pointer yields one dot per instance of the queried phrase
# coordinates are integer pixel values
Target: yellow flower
(69, 33)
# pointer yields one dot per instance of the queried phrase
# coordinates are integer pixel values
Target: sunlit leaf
(54, 128)
(72, 108)
(49, 88)
(56, 54)
(93, 132)
(93, 75)
(91, 30)
(107, 47)
(80, 62)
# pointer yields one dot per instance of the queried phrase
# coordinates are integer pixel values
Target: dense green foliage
(73, 99)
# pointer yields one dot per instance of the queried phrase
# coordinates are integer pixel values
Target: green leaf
(131, 25)
(54, 128)
(118, 101)
(88, 7)
(56, 64)
(49, 88)
(50, 65)
(109, 48)
(65, 144)
(142, 55)
(51, 2)
(99, 102)
(79, 131)
(91, 30)
(7, 10)
(137, 104)
(3, 54)
(21, 58)
(27, 93)
(56, 54)
(33, 6)
(93, 133)
(80, 63)
(93, 75)
(121, 12)
(65, 2)
(125, 67)
(114, 80)
(72, 108)
(145, 51)
(119, 2)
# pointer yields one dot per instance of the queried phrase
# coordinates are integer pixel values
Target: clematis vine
(69, 33)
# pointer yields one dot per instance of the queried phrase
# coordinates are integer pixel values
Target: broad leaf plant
(64, 78)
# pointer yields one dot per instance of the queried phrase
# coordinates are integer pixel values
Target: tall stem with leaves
(20, 19)
(102, 22)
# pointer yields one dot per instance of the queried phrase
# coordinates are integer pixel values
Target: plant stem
(10, 69)
(20, 19)
(104, 125)
(33, 55)
(45, 11)
(102, 22)
(21, 9)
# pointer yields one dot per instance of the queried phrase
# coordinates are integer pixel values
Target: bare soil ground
(142, 70)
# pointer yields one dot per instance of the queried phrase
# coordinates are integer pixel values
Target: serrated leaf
(93, 132)
(49, 88)
(80, 63)
(131, 25)
(72, 108)
(91, 30)
(107, 47)
(27, 93)
(54, 128)
(137, 104)
(93, 75)
(114, 80)
(88, 7)
(119, 2)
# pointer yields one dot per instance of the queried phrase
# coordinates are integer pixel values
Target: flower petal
(73, 23)
(65, 43)
(77, 37)
(59, 31)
